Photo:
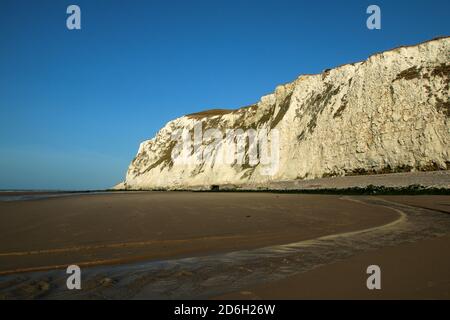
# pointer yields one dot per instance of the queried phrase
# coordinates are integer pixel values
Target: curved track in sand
(92, 230)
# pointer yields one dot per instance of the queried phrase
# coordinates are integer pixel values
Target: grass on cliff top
(218, 112)
(210, 113)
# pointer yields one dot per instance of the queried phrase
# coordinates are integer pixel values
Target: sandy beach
(418, 270)
(118, 228)
(152, 245)
(411, 271)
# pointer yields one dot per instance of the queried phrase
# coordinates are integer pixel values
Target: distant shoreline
(7, 196)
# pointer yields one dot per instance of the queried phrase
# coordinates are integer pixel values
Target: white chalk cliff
(390, 113)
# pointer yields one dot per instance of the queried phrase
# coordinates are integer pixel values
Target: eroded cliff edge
(390, 113)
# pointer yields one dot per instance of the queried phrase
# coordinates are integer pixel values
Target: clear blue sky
(74, 105)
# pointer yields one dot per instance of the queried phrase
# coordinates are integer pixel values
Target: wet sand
(99, 229)
(183, 245)
(418, 270)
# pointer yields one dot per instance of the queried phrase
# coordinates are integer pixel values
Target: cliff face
(389, 113)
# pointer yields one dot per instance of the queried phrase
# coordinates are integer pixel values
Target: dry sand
(418, 270)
